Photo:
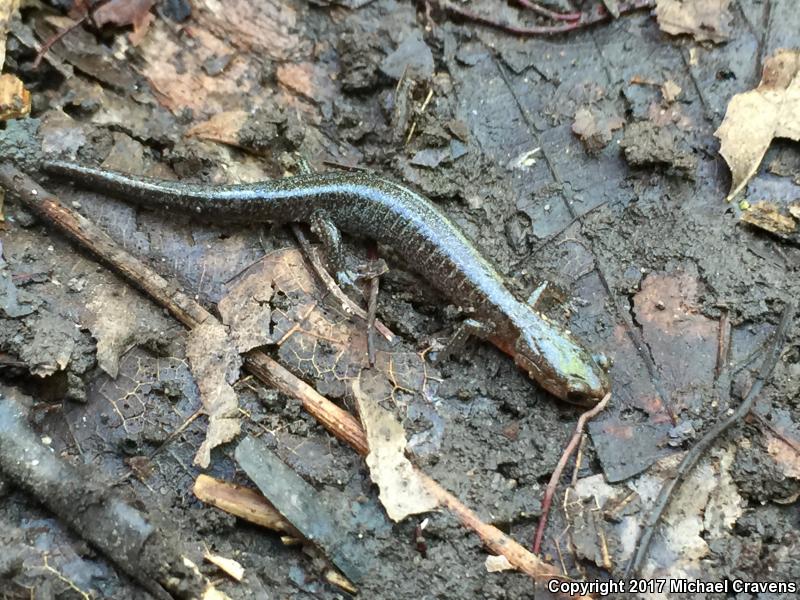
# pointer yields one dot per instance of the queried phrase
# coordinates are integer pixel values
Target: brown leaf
(15, 100)
(307, 79)
(223, 127)
(278, 301)
(215, 364)
(126, 12)
(754, 118)
(112, 324)
(705, 20)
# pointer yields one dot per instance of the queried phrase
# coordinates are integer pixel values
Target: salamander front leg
(536, 295)
(467, 328)
(325, 229)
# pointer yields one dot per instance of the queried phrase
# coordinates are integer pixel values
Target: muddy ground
(626, 220)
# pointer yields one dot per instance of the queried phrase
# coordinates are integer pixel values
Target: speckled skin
(366, 205)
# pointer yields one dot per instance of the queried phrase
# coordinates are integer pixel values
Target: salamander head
(560, 364)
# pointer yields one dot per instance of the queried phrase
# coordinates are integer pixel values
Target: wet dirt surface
(626, 220)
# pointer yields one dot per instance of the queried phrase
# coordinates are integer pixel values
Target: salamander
(367, 205)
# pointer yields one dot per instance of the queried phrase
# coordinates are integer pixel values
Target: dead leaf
(402, 493)
(754, 118)
(595, 127)
(126, 12)
(705, 20)
(247, 311)
(702, 510)
(112, 324)
(229, 566)
(215, 363)
(223, 127)
(8, 9)
(278, 301)
(15, 100)
(307, 79)
(769, 217)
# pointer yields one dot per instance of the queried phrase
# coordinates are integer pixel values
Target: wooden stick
(562, 462)
(241, 502)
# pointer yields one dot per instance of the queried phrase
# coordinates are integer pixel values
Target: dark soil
(481, 122)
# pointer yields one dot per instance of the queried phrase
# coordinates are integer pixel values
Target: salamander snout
(562, 366)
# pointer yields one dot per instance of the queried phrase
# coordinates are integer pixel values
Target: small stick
(781, 435)
(132, 539)
(331, 285)
(697, 451)
(372, 309)
(562, 462)
(723, 342)
(578, 461)
(55, 38)
(546, 12)
(241, 502)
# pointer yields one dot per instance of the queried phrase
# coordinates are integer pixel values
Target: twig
(562, 462)
(190, 313)
(578, 461)
(723, 342)
(697, 451)
(546, 12)
(781, 435)
(55, 38)
(372, 307)
(332, 287)
(587, 19)
(241, 502)
(89, 13)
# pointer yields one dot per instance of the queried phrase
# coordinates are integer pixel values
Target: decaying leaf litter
(610, 229)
